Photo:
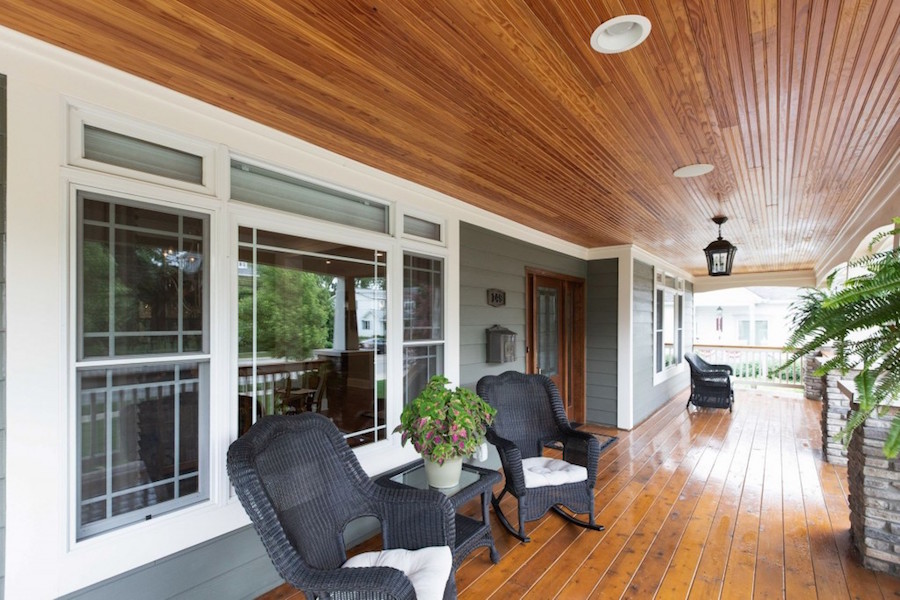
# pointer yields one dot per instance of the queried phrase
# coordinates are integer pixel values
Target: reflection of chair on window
(306, 393)
(245, 412)
(350, 391)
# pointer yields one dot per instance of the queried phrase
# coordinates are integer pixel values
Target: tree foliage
(861, 320)
(294, 313)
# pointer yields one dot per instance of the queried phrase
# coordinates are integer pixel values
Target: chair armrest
(511, 459)
(414, 519)
(581, 448)
(373, 582)
(727, 368)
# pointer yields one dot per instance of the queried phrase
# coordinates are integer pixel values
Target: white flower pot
(445, 475)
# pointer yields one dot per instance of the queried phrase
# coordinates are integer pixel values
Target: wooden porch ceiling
(698, 503)
(503, 104)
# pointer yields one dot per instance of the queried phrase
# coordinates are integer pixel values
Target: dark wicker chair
(301, 484)
(530, 415)
(710, 383)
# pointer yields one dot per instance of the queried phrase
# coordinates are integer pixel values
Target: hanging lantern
(719, 253)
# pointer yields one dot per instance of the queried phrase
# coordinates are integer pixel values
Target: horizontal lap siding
(491, 260)
(602, 341)
(232, 566)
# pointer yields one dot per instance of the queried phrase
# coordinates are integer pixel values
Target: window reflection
(311, 332)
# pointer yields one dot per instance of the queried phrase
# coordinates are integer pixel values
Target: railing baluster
(754, 364)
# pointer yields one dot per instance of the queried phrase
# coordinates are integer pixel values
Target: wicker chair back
(529, 409)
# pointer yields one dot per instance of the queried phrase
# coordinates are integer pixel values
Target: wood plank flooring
(697, 503)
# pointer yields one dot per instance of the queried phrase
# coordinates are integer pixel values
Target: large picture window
(142, 367)
(306, 342)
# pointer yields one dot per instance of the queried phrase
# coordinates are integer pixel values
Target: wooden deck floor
(696, 504)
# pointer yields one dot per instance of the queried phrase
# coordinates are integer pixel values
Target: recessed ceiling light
(693, 170)
(620, 34)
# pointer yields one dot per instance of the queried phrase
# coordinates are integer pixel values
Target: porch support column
(874, 496)
(625, 371)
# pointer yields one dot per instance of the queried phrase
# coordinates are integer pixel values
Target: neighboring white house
(371, 313)
(755, 316)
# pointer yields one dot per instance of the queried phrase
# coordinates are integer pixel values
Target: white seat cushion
(543, 470)
(427, 568)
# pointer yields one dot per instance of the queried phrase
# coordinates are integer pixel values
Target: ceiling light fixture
(694, 170)
(620, 34)
(719, 253)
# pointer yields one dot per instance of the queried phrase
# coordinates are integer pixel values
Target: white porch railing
(754, 365)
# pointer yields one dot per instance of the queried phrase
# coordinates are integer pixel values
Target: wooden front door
(555, 336)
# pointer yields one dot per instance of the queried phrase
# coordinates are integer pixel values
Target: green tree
(293, 312)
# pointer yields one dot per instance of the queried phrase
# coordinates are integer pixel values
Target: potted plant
(861, 319)
(445, 426)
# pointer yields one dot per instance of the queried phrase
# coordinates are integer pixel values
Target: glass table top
(415, 477)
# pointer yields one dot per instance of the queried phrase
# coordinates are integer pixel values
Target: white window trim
(431, 255)
(174, 200)
(75, 364)
(42, 78)
(659, 283)
(79, 116)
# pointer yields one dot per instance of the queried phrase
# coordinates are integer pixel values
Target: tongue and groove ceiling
(504, 105)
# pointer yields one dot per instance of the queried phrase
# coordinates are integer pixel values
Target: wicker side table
(470, 533)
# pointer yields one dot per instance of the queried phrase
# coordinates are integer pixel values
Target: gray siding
(491, 260)
(602, 341)
(648, 397)
(233, 566)
(2, 334)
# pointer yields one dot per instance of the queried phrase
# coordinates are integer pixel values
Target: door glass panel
(547, 331)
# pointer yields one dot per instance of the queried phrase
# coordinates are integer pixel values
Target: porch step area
(697, 503)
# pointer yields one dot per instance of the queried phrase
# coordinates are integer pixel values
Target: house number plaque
(496, 297)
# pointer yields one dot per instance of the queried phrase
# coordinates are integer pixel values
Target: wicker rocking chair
(301, 485)
(530, 414)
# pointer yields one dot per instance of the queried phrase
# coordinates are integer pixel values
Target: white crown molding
(630, 251)
(803, 278)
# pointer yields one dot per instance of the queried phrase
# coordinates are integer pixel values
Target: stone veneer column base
(874, 497)
(813, 385)
(835, 411)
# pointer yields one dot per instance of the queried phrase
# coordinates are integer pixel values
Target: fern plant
(861, 320)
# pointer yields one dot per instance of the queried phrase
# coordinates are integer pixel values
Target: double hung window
(668, 322)
(142, 366)
(423, 322)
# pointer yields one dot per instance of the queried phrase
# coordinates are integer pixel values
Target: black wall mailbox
(501, 344)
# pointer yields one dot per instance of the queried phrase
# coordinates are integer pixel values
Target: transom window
(142, 369)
